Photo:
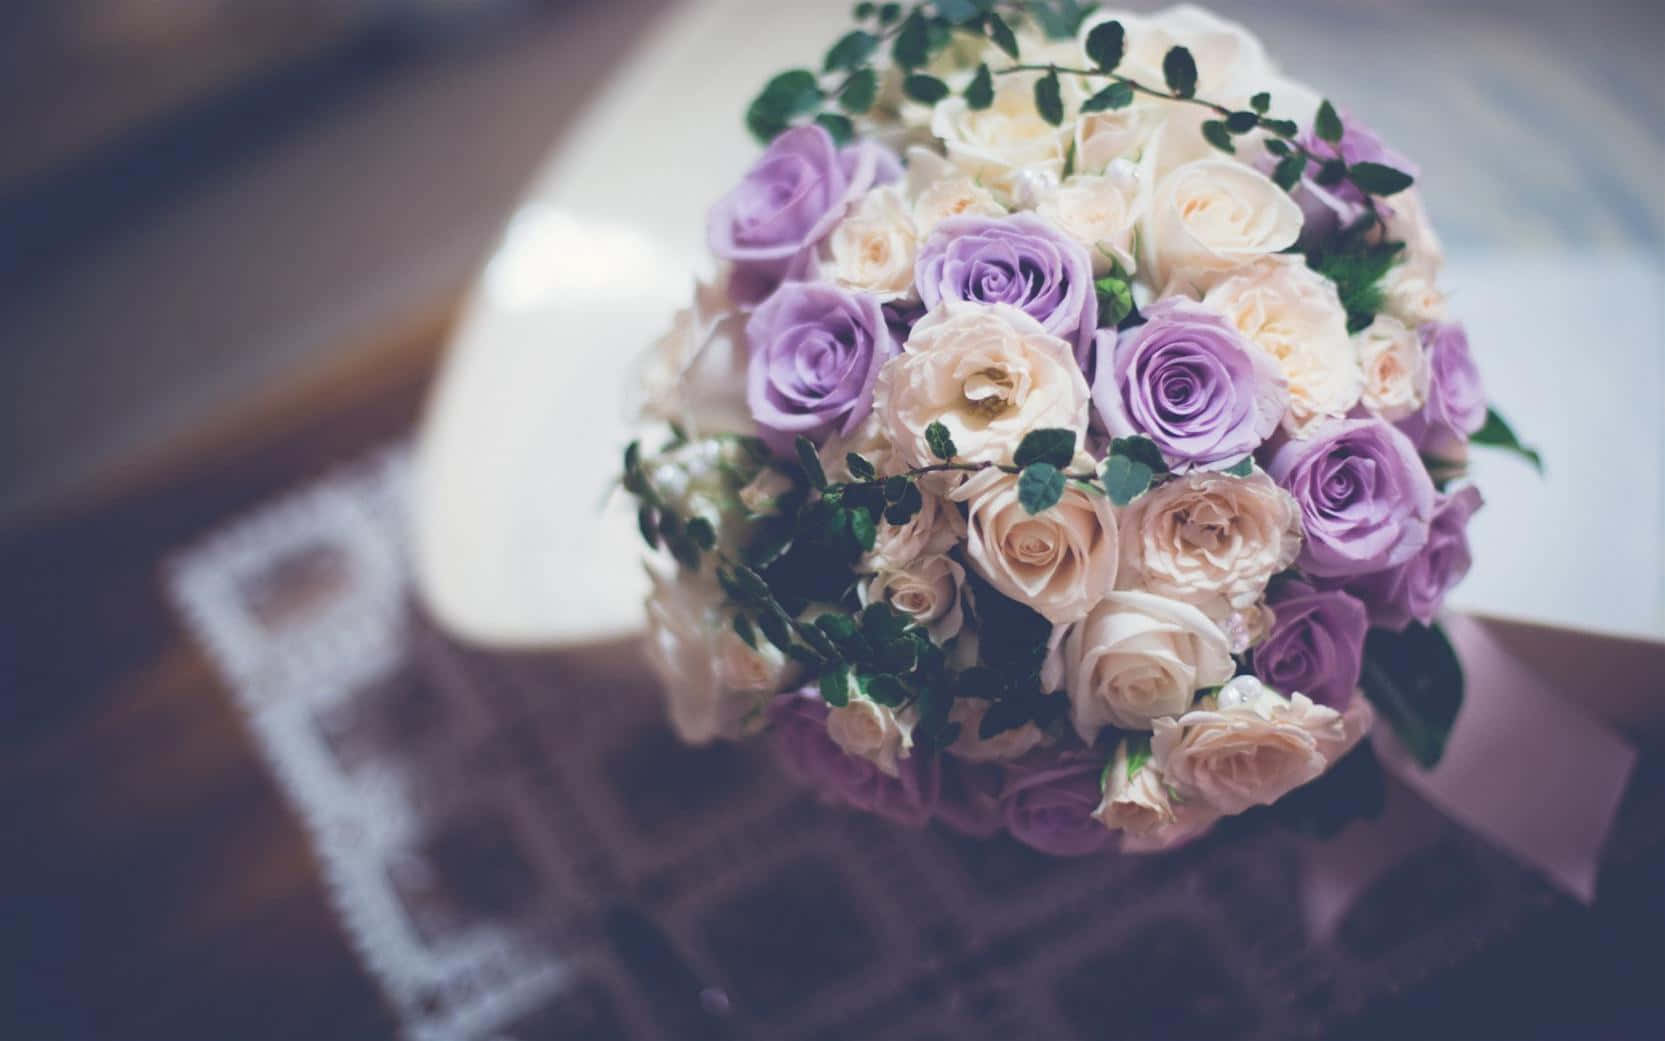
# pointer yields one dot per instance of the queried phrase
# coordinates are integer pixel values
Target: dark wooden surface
(155, 883)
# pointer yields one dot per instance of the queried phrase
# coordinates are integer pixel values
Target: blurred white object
(523, 436)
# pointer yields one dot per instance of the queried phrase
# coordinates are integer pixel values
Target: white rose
(1006, 147)
(1136, 802)
(1293, 313)
(1210, 216)
(1410, 293)
(1395, 368)
(1210, 540)
(687, 649)
(1100, 212)
(936, 528)
(695, 374)
(1101, 138)
(1060, 562)
(867, 440)
(1002, 747)
(868, 730)
(928, 591)
(1251, 748)
(989, 373)
(1139, 656)
(1408, 222)
(873, 247)
(941, 190)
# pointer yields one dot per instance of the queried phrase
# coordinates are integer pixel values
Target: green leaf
(1379, 179)
(700, 531)
(1241, 122)
(743, 629)
(912, 46)
(860, 91)
(1115, 300)
(1330, 171)
(896, 487)
(860, 468)
(863, 528)
(1055, 445)
(839, 127)
(1261, 102)
(927, 90)
(749, 586)
(1040, 486)
(1242, 468)
(863, 11)
(1004, 715)
(1327, 125)
(1281, 127)
(1141, 449)
(851, 50)
(810, 461)
(903, 509)
(1357, 268)
(979, 93)
(940, 441)
(1415, 682)
(1126, 479)
(791, 94)
(1106, 44)
(1002, 35)
(835, 686)
(1216, 134)
(888, 13)
(775, 630)
(1049, 101)
(1288, 172)
(1277, 146)
(957, 12)
(1497, 433)
(1117, 95)
(1179, 69)
(1138, 754)
(647, 523)
(886, 690)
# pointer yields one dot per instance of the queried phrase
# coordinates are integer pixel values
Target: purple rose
(798, 732)
(788, 201)
(1019, 260)
(970, 796)
(1456, 405)
(1188, 380)
(815, 352)
(1050, 807)
(1417, 588)
(1365, 498)
(1316, 644)
(1327, 209)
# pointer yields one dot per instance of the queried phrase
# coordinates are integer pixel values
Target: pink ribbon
(1525, 766)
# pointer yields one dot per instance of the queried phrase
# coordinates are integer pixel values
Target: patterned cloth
(520, 848)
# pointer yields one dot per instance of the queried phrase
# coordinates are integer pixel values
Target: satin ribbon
(1525, 767)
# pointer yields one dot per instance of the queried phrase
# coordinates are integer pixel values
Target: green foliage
(860, 91)
(927, 90)
(1049, 101)
(1326, 124)
(810, 460)
(1131, 468)
(1115, 300)
(1216, 134)
(1356, 266)
(835, 685)
(912, 46)
(1497, 433)
(1242, 121)
(1242, 468)
(839, 127)
(940, 441)
(1117, 95)
(1415, 682)
(1287, 174)
(1261, 102)
(860, 468)
(851, 51)
(786, 97)
(1040, 486)
(1002, 35)
(743, 629)
(1138, 753)
(1106, 44)
(1054, 445)
(1179, 69)
(1378, 179)
(979, 93)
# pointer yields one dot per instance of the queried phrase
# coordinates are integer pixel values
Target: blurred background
(234, 235)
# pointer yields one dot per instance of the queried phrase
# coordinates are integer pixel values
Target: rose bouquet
(1073, 440)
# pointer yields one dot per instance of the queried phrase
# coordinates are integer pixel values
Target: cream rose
(1410, 293)
(928, 590)
(1192, 820)
(1135, 801)
(1395, 368)
(1101, 138)
(1100, 212)
(1293, 313)
(1139, 656)
(1060, 562)
(1250, 748)
(864, 728)
(935, 529)
(713, 688)
(1210, 216)
(1006, 147)
(1210, 540)
(1408, 223)
(1002, 747)
(989, 373)
(873, 247)
(866, 440)
(941, 190)
(695, 374)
